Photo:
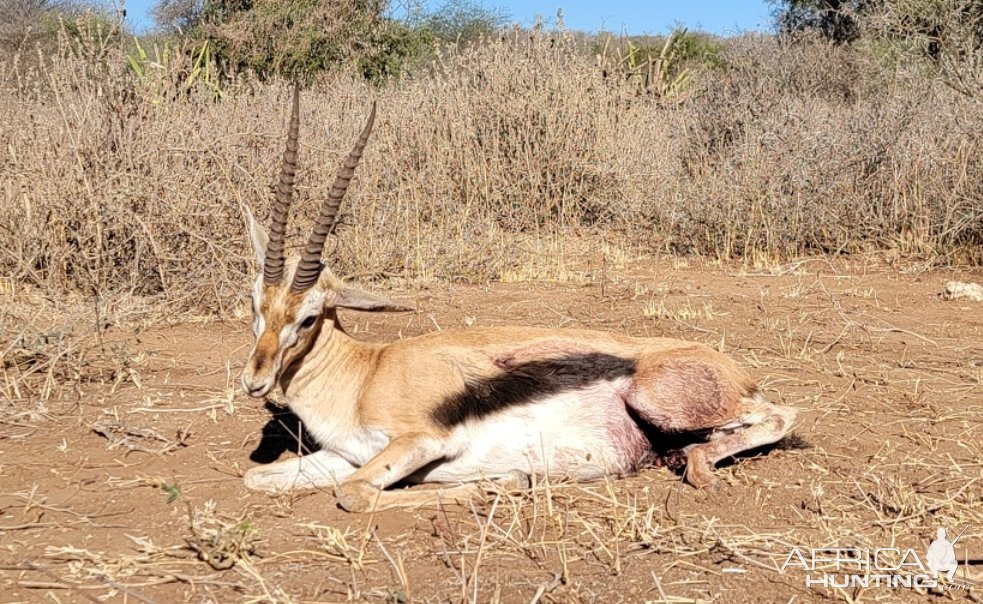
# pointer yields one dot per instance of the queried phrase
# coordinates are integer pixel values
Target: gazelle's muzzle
(257, 388)
(258, 381)
(260, 373)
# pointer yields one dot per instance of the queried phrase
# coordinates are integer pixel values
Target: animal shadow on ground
(283, 432)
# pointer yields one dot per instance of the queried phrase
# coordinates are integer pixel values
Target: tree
(458, 20)
(30, 24)
(25, 20)
(296, 38)
(836, 20)
(948, 34)
(180, 15)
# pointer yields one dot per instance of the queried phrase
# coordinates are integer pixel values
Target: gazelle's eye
(308, 322)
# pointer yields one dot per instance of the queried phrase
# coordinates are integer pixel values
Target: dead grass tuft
(498, 157)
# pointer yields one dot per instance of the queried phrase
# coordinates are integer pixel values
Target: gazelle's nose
(257, 388)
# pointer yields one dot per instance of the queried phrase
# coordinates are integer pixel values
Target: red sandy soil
(132, 491)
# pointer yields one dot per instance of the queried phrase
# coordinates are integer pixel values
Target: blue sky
(629, 16)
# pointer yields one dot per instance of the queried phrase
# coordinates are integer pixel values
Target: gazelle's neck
(330, 377)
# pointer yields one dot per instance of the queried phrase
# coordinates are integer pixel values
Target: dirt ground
(131, 491)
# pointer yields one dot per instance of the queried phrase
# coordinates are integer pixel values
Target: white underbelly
(582, 434)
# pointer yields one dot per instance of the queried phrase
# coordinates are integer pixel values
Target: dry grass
(117, 188)
(516, 161)
(887, 376)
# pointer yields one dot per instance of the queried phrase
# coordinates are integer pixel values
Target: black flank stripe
(525, 383)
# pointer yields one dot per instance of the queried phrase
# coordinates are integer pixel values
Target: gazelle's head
(295, 299)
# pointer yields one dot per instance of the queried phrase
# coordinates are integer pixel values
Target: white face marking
(288, 336)
(311, 307)
(259, 322)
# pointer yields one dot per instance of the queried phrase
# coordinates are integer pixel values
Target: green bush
(297, 39)
(30, 25)
(460, 21)
(392, 48)
(702, 49)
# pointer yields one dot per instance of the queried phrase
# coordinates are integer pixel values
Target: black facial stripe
(525, 383)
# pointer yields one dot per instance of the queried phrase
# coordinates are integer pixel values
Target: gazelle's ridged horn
(309, 268)
(273, 264)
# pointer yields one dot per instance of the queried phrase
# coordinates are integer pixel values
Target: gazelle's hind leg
(320, 469)
(701, 391)
(459, 494)
(762, 423)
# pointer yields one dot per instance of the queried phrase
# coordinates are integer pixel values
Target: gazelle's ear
(356, 299)
(257, 236)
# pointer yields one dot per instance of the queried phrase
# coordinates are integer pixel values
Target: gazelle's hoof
(518, 480)
(356, 496)
(699, 471)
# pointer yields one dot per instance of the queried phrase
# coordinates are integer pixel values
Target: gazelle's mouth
(261, 391)
(256, 389)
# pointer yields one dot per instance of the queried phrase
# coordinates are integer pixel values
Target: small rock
(956, 289)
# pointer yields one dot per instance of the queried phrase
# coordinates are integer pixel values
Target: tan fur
(459, 406)
(342, 386)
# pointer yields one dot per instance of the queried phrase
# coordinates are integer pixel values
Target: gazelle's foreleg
(316, 470)
(458, 494)
(404, 455)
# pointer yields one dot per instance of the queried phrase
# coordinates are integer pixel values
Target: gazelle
(461, 406)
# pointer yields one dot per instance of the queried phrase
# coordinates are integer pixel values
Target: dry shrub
(808, 148)
(945, 35)
(113, 191)
(49, 349)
